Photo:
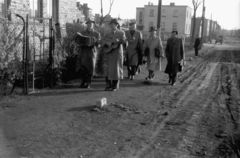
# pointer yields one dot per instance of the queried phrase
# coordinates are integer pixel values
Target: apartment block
(173, 17)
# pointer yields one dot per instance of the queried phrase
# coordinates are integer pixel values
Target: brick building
(61, 11)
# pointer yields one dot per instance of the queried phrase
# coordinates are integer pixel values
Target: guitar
(108, 45)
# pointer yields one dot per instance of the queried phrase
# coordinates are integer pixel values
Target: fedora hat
(176, 31)
(131, 23)
(90, 21)
(152, 28)
(114, 21)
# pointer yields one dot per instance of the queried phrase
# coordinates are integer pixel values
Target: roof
(167, 6)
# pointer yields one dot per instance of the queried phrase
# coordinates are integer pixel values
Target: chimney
(149, 3)
(152, 3)
(172, 4)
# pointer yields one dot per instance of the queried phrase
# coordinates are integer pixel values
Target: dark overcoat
(133, 42)
(87, 54)
(197, 43)
(174, 54)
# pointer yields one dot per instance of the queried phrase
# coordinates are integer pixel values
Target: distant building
(174, 17)
(80, 15)
(211, 28)
(87, 11)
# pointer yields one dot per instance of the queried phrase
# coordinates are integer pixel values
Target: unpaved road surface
(199, 117)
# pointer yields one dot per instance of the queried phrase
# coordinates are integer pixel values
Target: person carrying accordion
(88, 41)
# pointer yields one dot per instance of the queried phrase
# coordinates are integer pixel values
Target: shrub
(10, 54)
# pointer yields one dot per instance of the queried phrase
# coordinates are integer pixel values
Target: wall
(67, 11)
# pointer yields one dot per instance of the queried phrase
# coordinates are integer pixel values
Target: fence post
(51, 45)
(26, 56)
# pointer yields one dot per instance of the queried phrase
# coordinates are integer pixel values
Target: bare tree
(196, 4)
(102, 16)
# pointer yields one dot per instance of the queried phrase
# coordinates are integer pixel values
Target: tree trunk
(193, 29)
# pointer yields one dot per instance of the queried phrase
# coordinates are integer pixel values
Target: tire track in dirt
(186, 97)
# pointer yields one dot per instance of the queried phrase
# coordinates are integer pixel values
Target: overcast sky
(226, 12)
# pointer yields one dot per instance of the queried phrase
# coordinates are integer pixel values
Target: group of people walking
(116, 42)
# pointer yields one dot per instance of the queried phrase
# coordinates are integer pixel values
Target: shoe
(173, 84)
(113, 89)
(170, 80)
(132, 77)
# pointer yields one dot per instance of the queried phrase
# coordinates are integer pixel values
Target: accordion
(84, 40)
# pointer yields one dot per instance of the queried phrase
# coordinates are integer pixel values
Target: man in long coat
(152, 43)
(113, 59)
(134, 49)
(197, 44)
(87, 55)
(175, 54)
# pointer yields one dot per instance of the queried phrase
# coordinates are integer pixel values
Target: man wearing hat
(134, 49)
(153, 43)
(113, 59)
(175, 54)
(87, 54)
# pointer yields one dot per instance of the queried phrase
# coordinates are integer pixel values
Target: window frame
(151, 13)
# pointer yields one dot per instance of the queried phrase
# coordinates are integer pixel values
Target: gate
(43, 33)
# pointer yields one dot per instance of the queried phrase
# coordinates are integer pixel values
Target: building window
(175, 13)
(174, 26)
(140, 18)
(55, 10)
(150, 24)
(33, 8)
(164, 13)
(186, 28)
(151, 12)
(162, 26)
(140, 15)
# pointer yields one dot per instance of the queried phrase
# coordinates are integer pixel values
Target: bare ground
(199, 117)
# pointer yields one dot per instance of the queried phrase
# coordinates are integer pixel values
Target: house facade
(173, 17)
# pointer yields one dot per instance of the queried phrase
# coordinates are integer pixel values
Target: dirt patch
(199, 117)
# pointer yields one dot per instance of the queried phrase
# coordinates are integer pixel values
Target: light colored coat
(153, 63)
(113, 61)
(133, 42)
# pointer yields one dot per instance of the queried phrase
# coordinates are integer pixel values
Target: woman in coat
(113, 58)
(153, 62)
(175, 54)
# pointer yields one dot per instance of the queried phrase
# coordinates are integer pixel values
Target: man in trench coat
(175, 54)
(87, 55)
(134, 49)
(113, 59)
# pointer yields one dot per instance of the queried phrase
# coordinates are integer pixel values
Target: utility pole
(159, 18)
(203, 19)
(159, 24)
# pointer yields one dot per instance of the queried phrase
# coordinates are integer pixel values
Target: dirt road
(199, 117)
